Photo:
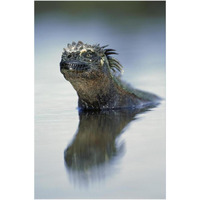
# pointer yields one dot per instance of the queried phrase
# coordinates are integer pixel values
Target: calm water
(118, 154)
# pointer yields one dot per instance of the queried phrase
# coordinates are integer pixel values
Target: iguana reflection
(95, 146)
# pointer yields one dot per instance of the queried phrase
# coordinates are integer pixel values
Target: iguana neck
(102, 92)
(93, 92)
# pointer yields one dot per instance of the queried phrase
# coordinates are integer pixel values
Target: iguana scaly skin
(93, 73)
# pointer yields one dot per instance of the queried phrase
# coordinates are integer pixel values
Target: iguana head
(81, 60)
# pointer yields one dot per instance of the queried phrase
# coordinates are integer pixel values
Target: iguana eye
(91, 54)
(69, 56)
(88, 55)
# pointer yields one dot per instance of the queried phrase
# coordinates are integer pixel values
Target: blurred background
(136, 29)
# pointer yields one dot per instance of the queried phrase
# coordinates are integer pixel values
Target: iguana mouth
(73, 66)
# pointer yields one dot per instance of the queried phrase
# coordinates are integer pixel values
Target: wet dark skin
(93, 73)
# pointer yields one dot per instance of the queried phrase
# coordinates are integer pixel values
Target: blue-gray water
(133, 166)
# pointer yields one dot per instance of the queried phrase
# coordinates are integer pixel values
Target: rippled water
(115, 154)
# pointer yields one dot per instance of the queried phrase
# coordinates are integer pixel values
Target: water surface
(115, 154)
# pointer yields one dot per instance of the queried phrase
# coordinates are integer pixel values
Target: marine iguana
(92, 71)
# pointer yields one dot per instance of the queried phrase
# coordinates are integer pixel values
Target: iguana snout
(73, 66)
